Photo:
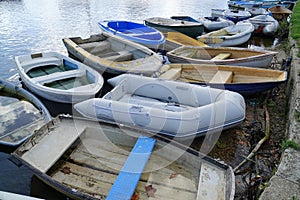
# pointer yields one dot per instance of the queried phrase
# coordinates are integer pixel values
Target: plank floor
(92, 170)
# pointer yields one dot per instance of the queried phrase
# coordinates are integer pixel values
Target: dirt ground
(235, 144)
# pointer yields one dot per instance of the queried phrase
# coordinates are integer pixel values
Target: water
(30, 26)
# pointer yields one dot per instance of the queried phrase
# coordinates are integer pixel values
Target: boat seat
(121, 56)
(57, 76)
(221, 56)
(129, 176)
(222, 77)
(171, 74)
(91, 46)
(42, 61)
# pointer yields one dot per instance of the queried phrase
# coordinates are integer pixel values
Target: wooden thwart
(128, 178)
(171, 74)
(221, 56)
(222, 77)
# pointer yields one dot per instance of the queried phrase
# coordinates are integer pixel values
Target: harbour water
(30, 26)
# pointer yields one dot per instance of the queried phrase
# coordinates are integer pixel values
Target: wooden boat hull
(171, 108)
(33, 106)
(135, 32)
(238, 56)
(244, 80)
(66, 81)
(111, 54)
(191, 29)
(86, 160)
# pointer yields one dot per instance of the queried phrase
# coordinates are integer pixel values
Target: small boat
(222, 56)
(233, 35)
(101, 160)
(177, 39)
(215, 23)
(244, 80)
(112, 54)
(257, 11)
(191, 29)
(233, 15)
(243, 4)
(172, 108)
(57, 77)
(135, 32)
(264, 24)
(14, 196)
(21, 114)
(184, 17)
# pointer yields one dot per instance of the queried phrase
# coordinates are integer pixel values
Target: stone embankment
(285, 184)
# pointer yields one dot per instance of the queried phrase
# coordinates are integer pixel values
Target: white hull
(215, 24)
(39, 84)
(233, 35)
(171, 108)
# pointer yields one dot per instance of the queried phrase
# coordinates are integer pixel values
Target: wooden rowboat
(57, 77)
(100, 160)
(113, 55)
(245, 80)
(222, 56)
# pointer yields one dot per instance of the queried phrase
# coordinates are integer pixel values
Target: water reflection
(29, 27)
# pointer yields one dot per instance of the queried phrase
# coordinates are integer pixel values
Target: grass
(289, 144)
(295, 27)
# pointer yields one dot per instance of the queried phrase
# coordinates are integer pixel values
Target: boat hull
(76, 84)
(135, 32)
(175, 110)
(86, 160)
(130, 57)
(191, 29)
(233, 35)
(243, 57)
(22, 132)
(244, 80)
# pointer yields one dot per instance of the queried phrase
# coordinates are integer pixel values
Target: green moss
(289, 144)
(295, 21)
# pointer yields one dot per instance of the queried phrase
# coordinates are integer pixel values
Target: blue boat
(135, 32)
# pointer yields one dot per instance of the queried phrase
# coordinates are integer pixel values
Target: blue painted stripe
(128, 178)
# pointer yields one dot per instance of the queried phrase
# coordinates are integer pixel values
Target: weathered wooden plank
(37, 157)
(221, 56)
(95, 182)
(222, 77)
